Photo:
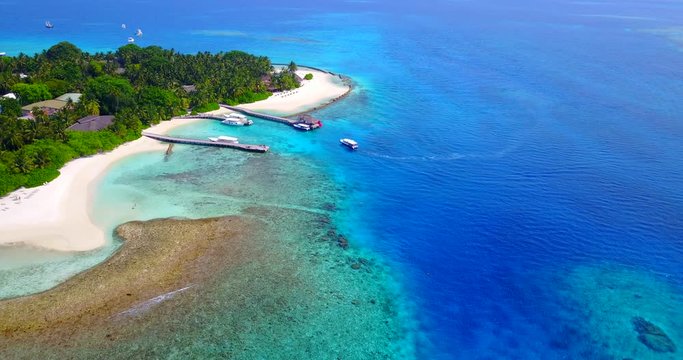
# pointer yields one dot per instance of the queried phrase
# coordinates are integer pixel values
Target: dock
(308, 120)
(203, 116)
(176, 140)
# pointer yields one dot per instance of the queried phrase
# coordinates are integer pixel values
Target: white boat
(131, 40)
(3, 53)
(226, 139)
(49, 25)
(138, 33)
(235, 115)
(302, 126)
(350, 143)
(237, 122)
(123, 26)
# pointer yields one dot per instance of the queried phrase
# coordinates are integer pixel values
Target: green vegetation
(285, 80)
(308, 76)
(206, 107)
(30, 93)
(10, 107)
(249, 97)
(139, 86)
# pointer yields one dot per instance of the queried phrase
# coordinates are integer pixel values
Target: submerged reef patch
(229, 287)
(628, 314)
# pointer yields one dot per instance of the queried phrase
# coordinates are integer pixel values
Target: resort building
(92, 123)
(50, 107)
(74, 97)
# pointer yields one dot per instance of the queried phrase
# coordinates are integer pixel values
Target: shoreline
(56, 216)
(325, 87)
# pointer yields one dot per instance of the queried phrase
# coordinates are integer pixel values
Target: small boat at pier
(352, 144)
(225, 139)
(235, 119)
(302, 126)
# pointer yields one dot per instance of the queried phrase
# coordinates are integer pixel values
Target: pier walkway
(313, 123)
(203, 116)
(175, 140)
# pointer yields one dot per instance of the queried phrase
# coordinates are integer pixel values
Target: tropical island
(133, 88)
(65, 104)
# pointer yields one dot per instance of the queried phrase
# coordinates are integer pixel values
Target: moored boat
(236, 119)
(226, 139)
(349, 143)
(237, 122)
(49, 25)
(131, 40)
(302, 126)
(235, 115)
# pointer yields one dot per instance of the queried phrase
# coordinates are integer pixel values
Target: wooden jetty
(175, 140)
(203, 116)
(308, 120)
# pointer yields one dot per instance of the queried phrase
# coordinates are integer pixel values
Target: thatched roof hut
(308, 119)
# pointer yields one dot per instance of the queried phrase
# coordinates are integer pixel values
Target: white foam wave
(146, 305)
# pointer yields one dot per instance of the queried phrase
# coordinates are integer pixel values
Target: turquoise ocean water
(519, 177)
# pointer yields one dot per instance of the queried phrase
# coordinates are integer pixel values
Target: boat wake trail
(445, 157)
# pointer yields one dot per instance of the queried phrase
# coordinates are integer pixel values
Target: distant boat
(350, 143)
(131, 40)
(138, 33)
(49, 25)
(302, 126)
(123, 26)
(225, 139)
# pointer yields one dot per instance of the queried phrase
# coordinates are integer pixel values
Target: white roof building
(10, 96)
(74, 97)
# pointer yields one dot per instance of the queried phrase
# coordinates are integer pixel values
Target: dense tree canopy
(111, 93)
(30, 93)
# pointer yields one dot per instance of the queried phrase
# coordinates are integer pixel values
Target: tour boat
(235, 115)
(49, 25)
(227, 139)
(138, 33)
(131, 40)
(237, 122)
(350, 143)
(302, 126)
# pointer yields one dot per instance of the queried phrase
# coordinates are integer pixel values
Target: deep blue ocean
(520, 165)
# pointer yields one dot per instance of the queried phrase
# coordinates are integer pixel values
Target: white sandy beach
(56, 215)
(321, 90)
